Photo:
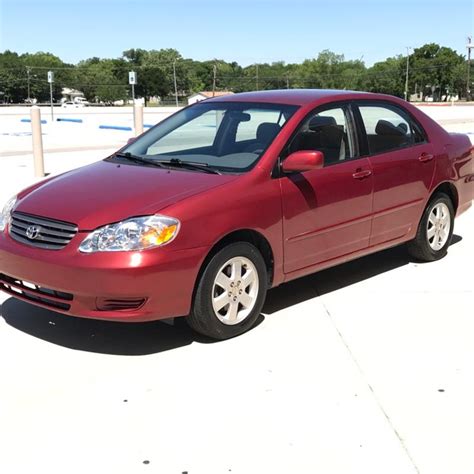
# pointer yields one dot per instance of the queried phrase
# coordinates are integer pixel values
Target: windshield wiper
(176, 162)
(138, 159)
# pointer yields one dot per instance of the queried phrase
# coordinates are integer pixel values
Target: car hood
(107, 192)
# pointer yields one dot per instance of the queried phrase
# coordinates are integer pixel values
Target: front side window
(327, 131)
(223, 136)
(388, 128)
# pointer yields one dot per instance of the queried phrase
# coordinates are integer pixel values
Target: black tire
(420, 248)
(203, 318)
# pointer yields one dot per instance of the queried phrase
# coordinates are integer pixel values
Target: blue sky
(246, 31)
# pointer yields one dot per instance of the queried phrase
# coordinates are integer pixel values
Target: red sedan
(229, 197)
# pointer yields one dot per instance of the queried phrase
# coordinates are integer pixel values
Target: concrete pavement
(363, 368)
(366, 367)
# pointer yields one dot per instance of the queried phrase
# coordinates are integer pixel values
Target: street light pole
(406, 78)
(214, 72)
(28, 74)
(175, 83)
(468, 79)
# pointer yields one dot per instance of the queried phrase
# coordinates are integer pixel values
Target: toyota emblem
(33, 231)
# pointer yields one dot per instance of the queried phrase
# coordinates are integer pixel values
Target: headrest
(267, 131)
(403, 126)
(321, 121)
(384, 127)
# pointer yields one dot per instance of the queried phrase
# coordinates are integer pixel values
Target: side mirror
(304, 160)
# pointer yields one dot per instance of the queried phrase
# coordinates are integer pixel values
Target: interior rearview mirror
(238, 116)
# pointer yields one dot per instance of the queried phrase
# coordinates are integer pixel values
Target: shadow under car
(117, 338)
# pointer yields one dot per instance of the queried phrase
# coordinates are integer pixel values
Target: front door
(326, 212)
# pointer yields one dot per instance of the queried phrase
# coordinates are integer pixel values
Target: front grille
(36, 294)
(41, 232)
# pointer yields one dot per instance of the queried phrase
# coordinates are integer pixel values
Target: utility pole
(468, 79)
(406, 78)
(28, 74)
(287, 82)
(256, 76)
(214, 79)
(175, 83)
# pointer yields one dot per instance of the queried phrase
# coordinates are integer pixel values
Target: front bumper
(160, 281)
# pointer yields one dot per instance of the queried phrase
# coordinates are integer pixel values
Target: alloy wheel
(438, 226)
(235, 290)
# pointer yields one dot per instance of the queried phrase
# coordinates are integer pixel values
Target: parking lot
(365, 367)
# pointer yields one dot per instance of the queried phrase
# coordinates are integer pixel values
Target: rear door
(403, 164)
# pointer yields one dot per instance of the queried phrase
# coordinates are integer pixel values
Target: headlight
(6, 213)
(138, 233)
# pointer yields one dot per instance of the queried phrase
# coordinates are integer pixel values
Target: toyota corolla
(206, 211)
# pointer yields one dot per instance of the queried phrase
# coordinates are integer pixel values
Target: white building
(70, 94)
(198, 96)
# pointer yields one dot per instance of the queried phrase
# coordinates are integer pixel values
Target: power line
(158, 65)
(284, 77)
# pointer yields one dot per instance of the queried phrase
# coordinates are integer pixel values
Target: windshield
(226, 136)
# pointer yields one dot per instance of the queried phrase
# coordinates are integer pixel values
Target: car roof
(285, 96)
(295, 96)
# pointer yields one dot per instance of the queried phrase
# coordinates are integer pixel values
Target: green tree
(28, 72)
(433, 70)
(39, 64)
(101, 80)
(12, 77)
(387, 77)
(331, 71)
(155, 71)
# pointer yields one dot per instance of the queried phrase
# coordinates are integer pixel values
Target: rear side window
(389, 128)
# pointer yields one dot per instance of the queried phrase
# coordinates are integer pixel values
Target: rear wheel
(434, 231)
(230, 293)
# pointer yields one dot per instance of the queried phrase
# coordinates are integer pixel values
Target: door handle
(424, 157)
(361, 174)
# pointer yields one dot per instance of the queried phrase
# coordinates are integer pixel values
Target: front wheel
(230, 293)
(434, 231)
